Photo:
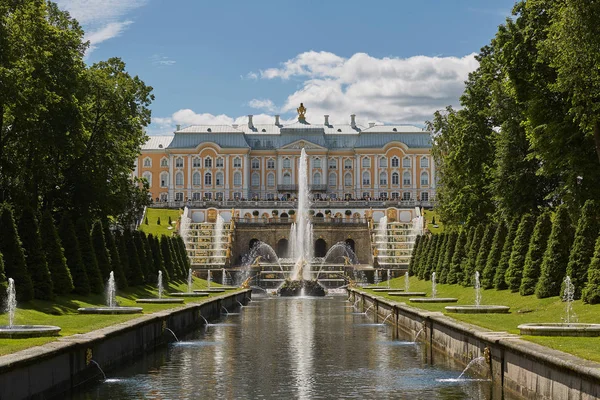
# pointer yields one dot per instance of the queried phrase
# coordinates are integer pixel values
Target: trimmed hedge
(35, 257)
(499, 282)
(535, 254)
(514, 273)
(491, 263)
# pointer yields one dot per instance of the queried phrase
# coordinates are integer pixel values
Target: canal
(291, 348)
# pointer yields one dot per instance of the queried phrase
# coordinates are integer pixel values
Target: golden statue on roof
(301, 112)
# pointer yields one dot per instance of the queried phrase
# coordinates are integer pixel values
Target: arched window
(208, 162)
(424, 162)
(332, 179)
(366, 179)
(271, 180)
(366, 162)
(383, 162)
(237, 179)
(287, 163)
(317, 178)
(164, 162)
(317, 163)
(208, 179)
(395, 178)
(179, 178)
(196, 180)
(220, 162)
(148, 176)
(406, 162)
(395, 162)
(287, 179)
(332, 163)
(147, 162)
(196, 163)
(383, 179)
(271, 163)
(237, 163)
(348, 179)
(406, 178)
(219, 179)
(348, 164)
(255, 163)
(164, 179)
(424, 178)
(179, 162)
(255, 179)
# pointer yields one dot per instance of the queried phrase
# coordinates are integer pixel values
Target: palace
(259, 162)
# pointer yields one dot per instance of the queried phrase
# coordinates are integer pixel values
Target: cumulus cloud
(263, 104)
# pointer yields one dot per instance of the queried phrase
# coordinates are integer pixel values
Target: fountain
(111, 302)
(160, 299)
(477, 308)
(301, 235)
(569, 327)
(433, 298)
(12, 331)
(190, 292)
(407, 292)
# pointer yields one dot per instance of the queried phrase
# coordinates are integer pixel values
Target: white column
(189, 177)
(226, 177)
(246, 176)
(341, 172)
(376, 177)
(414, 176)
(358, 177)
(171, 177)
(294, 166)
(279, 169)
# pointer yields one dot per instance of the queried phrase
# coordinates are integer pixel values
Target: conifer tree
(591, 292)
(69, 240)
(152, 272)
(514, 273)
(420, 254)
(135, 276)
(157, 257)
(499, 282)
(447, 258)
(116, 265)
(535, 254)
(583, 246)
(435, 242)
(177, 263)
(37, 265)
(121, 243)
(468, 266)
(101, 251)
(88, 256)
(167, 258)
(491, 263)
(186, 260)
(556, 256)
(485, 247)
(455, 273)
(141, 253)
(55, 257)
(3, 282)
(423, 257)
(15, 266)
(439, 255)
(413, 256)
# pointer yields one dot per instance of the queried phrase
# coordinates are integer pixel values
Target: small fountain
(111, 302)
(433, 298)
(407, 292)
(160, 299)
(475, 361)
(477, 308)
(190, 292)
(569, 327)
(12, 331)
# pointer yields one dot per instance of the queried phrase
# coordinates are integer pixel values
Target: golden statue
(246, 283)
(301, 112)
(256, 262)
(375, 252)
(346, 260)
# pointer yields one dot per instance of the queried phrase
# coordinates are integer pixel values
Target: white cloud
(109, 31)
(162, 61)
(262, 104)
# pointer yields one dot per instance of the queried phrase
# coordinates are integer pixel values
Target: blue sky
(390, 61)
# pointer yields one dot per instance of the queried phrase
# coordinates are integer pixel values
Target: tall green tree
(424, 256)
(100, 250)
(414, 256)
(556, 256)
(3, 281)
(439, 255)
(535, 254)
(122, 245)
(485, 247)
(141, 253)
(14, 258)
(493, 259)
(88, 256)
(469, 264)
(444, 269)
(116, 265)
(426, 272)
(135, 276)
(591, 292)
(37, 265)
(55, 256)
(151, 274)
(72, 253)
(184, 255)
(168, 258)
(455, 273)
(514, 273)
(499, 282)
(157, 257)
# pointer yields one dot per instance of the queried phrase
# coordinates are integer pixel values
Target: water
(315, 352)
(376, 277)
(433, 286)
(111, 291)
(189, 280)
(218, 241)
(302, 239)
(172, 333)
(388, 277)
(11, 302)
(160, 285)
(224, 277)
(208, 279)
(406, 282)
(568, 297)
(98, 365)
(477, 290)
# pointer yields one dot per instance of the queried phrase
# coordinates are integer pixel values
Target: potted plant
(327, 215)
(255, 213)
(311, 212)
(348, 213)
(292, 213)
(275, 213)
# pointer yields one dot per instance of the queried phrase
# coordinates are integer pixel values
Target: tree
(444, 266)
(440, 253)
(55, 256)
(499, 282)
(141, 253)
(168, 257)
(88, 256)
(426, 271)
(135, 276)
(184, 254)
(423, 257)
(36, 259)
(469, 262)
(535, 254)
(514, 273)
(583, 245)
(121, 242)
(3, 283)
(151, 275)
(487, 277)
(591, 292)
(115, 257)
(556, 256)
(413, 258)
(485, 247)
(14, 258)
(455, 273)
(419, 254)
(158, 221)
(101, 251)
(180, 272)
(81, 282)
(157, 257)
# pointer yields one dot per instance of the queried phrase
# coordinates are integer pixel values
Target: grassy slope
(429, 215)
(524, 309)
(63, 313)
(152, 214)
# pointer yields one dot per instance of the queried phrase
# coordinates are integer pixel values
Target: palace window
(317, 163)
(317, 179)
(366, 195)
(424, 162)
(366, 179)
(424, 196)
(271, 180)
(164, 197)
(332, 179)
(237, 162)
(179, 178)
(148, 177)
(424, 179)
(208, 162)
(406, 178)
(383, 195)
(383, 162)
(270, 163)
(255, 179)
(348, 179)
(237, 179)
(395, 162)
(406, 196)
(271, 196)
(332, 196)
(164, 179)
(237, 195)
(219, 179)
(406, 162)
(208, 195)
(208, 179)
(287, 163)
(179, 196)
(147, 162)
(219, 196)
(395, 195)
(164, 162)
(348, 164)
(383, 179)
(366, 162)
(332, 164)
(255, 163)
(287, 179)
(196, 179)
(220, 162)
(395, 178)
(179, 162)
(196, 163)
(196, 196)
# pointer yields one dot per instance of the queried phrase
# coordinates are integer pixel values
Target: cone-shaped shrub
(413, 256)
(430, 267)
(423, 257)
(591, 292)
(455, 274)
(3, 282)
(471, 259)
(485, 247)
(70, 243)
(116, 265)
(35, 258)
(583, 246)
(157, 257)
(491, 263)
(556, 256)
(439, 254)
(177, 262)
(14, 258)
(420, 254)
(135, 275)
(514, 273)
(151, 273)
(101, 251)
(121, 243)
(535, 254)
(442, 274)
(141, 252)
(186, 260)
(62, 281)
(88, 256)
(168, 258)
(499, 282)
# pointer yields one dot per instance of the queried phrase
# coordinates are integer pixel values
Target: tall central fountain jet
(301, 232)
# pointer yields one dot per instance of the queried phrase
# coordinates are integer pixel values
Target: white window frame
(366, 162)
(208, 162)
(347, 164)
(196, 162)
(366, 179)
(383, 179)
(395, 179)
(179, 163)
(164, 179)
(255, 163)
(271, 180)
(148, 177)
(255, 179)
(317, 178)
(383, 162)
(406, 181)
(424, 178)
(348, 179)
(219, 179)
(164, 162)
(207, 179)
(179, 179)
(332, 163)
(406, 162)
(147, 162)
(271, 163)
(332, 180)
(220, 162)
(196, 179)
(287, 163)
(395, 162)
(237, 162)
(237, 179)
(317, 162)
(424, 162)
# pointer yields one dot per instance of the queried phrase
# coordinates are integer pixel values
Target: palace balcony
(293, 204)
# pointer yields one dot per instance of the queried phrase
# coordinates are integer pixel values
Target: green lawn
(157, 230)
(429, 216)
(524, 309)
(63, 312)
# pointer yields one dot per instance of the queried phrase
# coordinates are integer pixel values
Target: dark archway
(350, 244)
(284, 215)
(282, 248)
(320, 248)
(252, 243)
(319, 215)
